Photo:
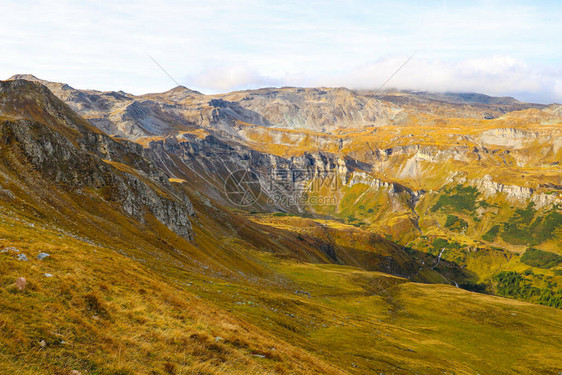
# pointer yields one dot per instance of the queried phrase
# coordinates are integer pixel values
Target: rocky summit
(280, 230)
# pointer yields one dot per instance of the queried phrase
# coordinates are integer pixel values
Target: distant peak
(27, 77)
(178, 91)
(32, 78)
(182, 89)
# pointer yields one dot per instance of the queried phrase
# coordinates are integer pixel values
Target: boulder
(21, 282)
(10, 249)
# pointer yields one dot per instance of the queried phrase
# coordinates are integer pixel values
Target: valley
(397, 232)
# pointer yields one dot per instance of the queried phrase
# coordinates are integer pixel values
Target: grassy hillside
(118, 310)
(103, 310)
(113, 261)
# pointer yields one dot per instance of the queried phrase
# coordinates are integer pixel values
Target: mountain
(279, 230)
(71, 152)
(463, 105)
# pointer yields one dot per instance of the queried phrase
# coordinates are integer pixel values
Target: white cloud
(496, 75)
(491, 46)
(227, 78)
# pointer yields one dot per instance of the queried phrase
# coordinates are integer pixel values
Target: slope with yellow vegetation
(122, 309)
(152, 270)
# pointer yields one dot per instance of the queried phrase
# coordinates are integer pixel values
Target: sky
(498, 48)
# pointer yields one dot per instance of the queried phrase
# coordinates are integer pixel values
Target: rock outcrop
(68, 151)
(490, 188)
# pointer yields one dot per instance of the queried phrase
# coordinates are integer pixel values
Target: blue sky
(495, 47)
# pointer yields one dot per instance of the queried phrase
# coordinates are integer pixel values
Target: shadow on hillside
(450, 272)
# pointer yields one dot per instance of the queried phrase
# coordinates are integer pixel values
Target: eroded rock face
(75, 156)
(489, 188)
(285, 182)
(216, 160)
(321, 109)
(60, 160)
(507, 137)
(317, 109)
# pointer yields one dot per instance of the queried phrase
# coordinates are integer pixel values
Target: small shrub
(94, 305)
(440, 243)
(512, 284)
(170, 368)
(455, 223)
(541, 259)
(459, 198)
(521, 229)
(491, 234)
(473, 287)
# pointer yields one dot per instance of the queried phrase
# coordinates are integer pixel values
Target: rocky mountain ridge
(69, 151)
(294, 138)
(316, 109)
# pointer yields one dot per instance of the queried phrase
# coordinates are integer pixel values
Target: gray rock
(8, 249)
(23, 257)
(487, 186)
(302, 292)
(47, 275)
(42, 256)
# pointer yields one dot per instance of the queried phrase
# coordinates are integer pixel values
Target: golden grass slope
(107, 311)
(103, 312)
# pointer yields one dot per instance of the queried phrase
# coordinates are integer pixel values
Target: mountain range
(278, 230)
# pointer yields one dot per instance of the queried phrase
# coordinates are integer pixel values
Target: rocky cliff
(68, 151)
